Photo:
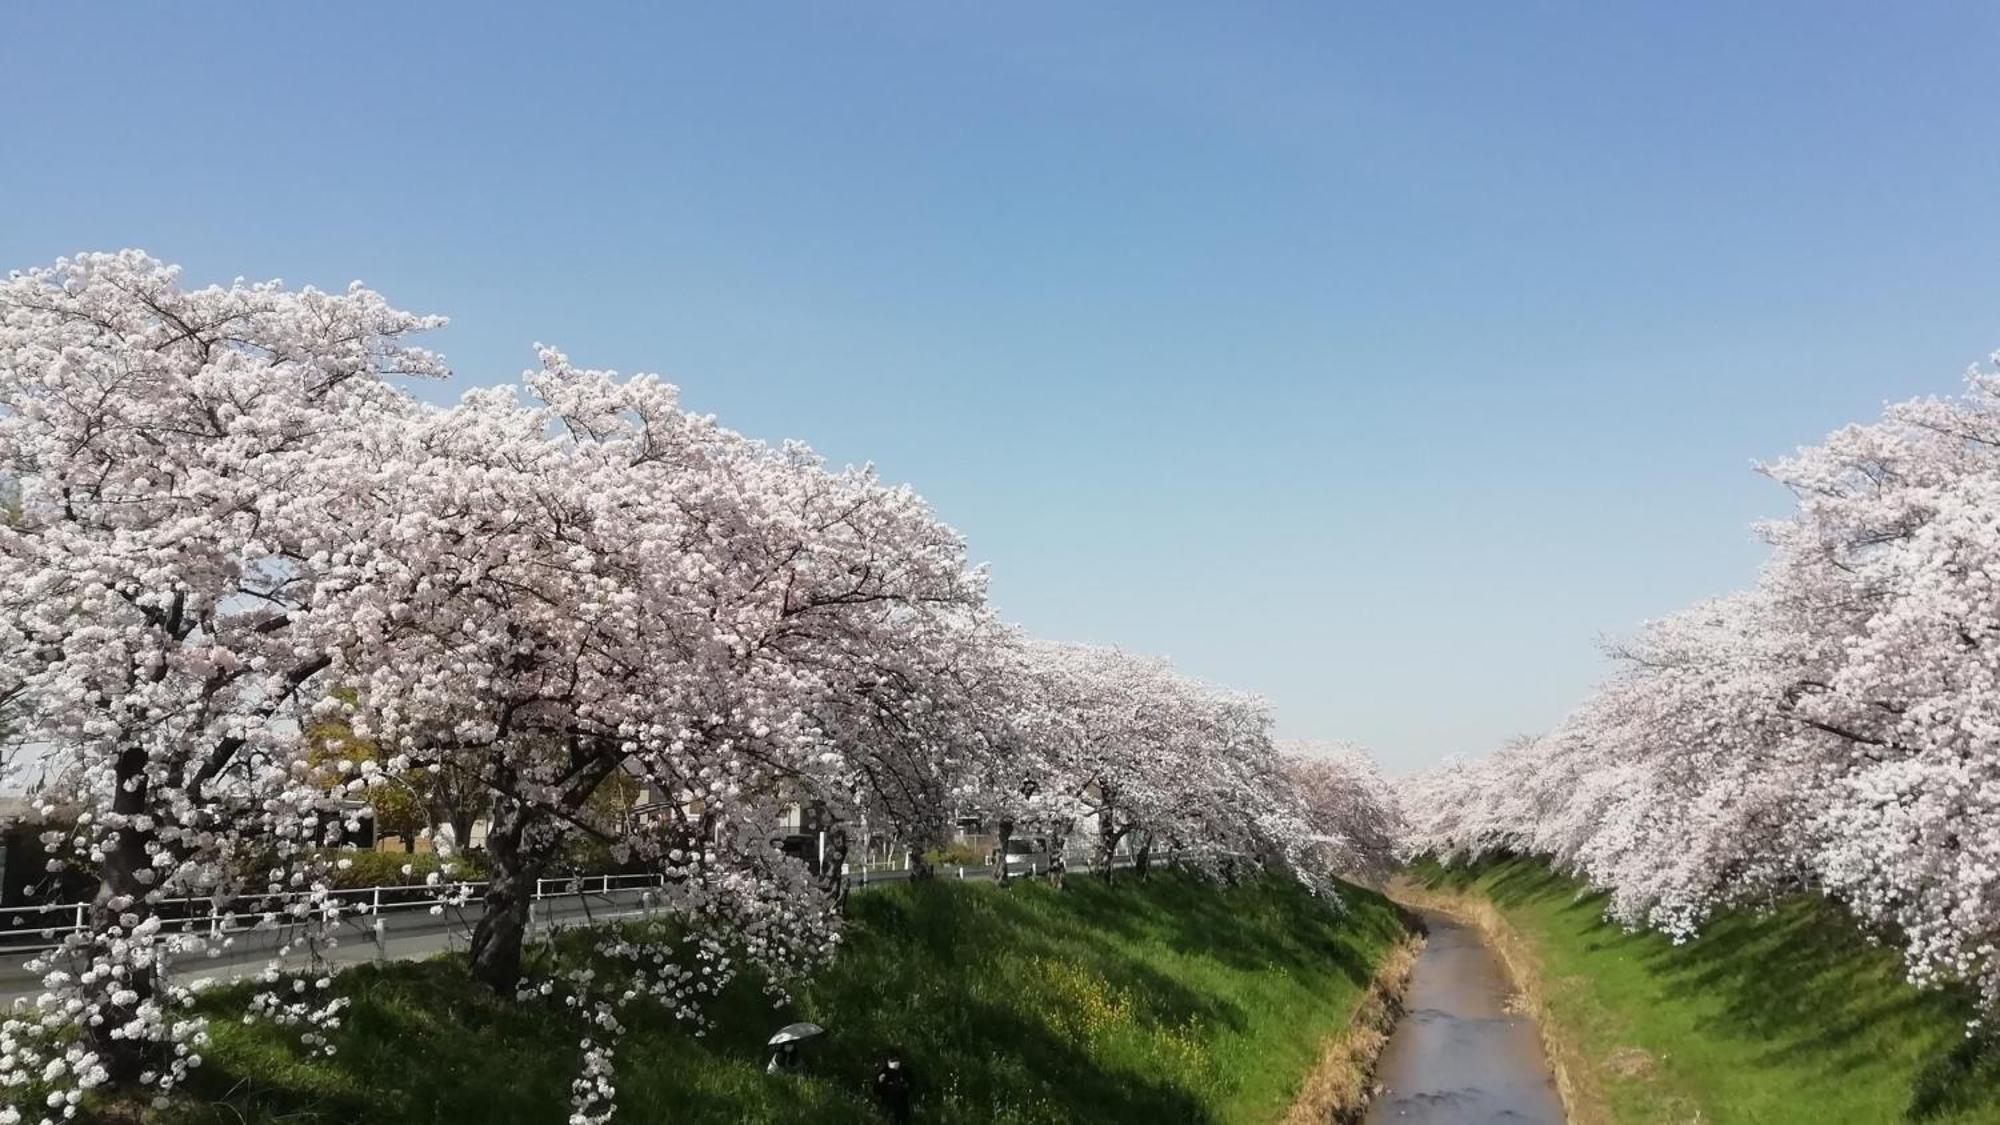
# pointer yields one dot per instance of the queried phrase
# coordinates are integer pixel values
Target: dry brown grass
(1582, 1103)
(1630, 1062)
(1337, 1089)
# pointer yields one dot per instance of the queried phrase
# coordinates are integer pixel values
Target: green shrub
(955, 855)
(385, 869)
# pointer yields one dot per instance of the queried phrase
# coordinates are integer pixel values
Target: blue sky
(1377, 358)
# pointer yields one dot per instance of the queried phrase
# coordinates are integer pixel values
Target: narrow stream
(1459, 1057)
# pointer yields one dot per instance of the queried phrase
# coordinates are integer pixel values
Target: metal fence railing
(29, 929)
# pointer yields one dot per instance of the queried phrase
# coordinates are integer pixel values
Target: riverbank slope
(1172, 1000)
(1770, 1018)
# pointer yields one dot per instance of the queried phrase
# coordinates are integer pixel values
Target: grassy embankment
(1787, 1016)
(1172, 1001)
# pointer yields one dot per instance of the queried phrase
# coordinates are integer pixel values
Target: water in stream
(1459, 1057)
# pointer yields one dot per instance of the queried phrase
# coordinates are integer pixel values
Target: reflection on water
(1459, 1057)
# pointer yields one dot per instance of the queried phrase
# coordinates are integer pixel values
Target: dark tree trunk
(1142, 862)
(459, 818)
(1006, 835)
(497, 939)
(461, 823)
(830, 878)
(1107, 834)
(461, 829)
(457, 809)
(920, 865)
(519, 858)
(124, 1059)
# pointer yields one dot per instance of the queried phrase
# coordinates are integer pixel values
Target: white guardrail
(25, 929)
(29, 929)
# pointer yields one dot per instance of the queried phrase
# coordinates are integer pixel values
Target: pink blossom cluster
(232, 525)
(1834, 729)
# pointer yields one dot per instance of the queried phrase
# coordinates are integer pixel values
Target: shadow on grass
(1964, 1079)
(1237, 930)
(1020, 1004)
(1798, 986)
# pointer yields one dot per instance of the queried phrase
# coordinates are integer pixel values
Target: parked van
(1026, 855)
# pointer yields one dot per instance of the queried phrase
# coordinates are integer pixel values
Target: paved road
(412, 933)
(405, 934)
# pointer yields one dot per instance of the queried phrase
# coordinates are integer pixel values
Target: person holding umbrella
(892, 1086)
(785, 1057)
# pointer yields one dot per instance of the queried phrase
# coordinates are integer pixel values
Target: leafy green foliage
(955, 854)
(398, 804)
(385, 869)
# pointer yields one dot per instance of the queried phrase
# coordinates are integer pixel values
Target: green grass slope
(1175, 1001)
(1786, 1016)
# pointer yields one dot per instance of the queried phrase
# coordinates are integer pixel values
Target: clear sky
(1375, 357)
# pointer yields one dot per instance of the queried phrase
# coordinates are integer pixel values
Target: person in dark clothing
(892, 1087)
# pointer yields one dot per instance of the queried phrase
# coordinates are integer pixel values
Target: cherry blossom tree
(1832, 729)
(247, 582)
(597, 585)
(180, 456)
(1151, 754)
(1892, 553)
(1350, 808)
